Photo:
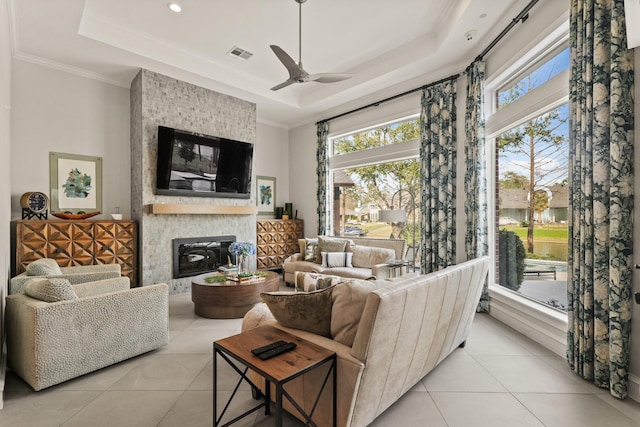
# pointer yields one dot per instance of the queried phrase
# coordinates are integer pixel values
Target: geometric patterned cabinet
(277, 239)
(78, 242)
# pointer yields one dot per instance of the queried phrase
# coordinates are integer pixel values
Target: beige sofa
(373, 267)
(98, 324)
(408, 326)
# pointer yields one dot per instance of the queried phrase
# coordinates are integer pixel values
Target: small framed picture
(266, 194)
(76, 182)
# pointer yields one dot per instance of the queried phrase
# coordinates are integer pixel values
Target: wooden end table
(278, 370)
(229, 300)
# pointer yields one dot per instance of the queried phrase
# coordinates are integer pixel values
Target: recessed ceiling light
(174, 7)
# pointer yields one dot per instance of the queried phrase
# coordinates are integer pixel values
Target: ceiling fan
(297, 74)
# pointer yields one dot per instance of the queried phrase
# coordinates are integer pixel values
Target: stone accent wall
(158, 100)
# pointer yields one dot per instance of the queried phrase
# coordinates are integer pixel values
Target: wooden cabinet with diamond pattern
(83, 242)
(276, 240)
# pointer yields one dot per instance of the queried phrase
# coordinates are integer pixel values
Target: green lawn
(541, 233)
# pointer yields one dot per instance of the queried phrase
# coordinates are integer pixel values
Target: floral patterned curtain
(476, 207)
(601, 194)
(322, 155)
(438, 176)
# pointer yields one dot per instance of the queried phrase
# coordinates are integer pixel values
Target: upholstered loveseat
(395, 334)
(56, 331)
(369, 258)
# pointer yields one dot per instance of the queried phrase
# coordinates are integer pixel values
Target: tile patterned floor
(501, 378)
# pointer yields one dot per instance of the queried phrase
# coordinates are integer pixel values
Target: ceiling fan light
(174, 7)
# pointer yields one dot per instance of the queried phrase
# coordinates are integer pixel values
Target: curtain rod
(522, 16)
(391, 98)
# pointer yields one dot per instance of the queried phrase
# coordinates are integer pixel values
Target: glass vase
(243, 264)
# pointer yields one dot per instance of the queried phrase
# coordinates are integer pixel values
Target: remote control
(267, 347)
(277, 350)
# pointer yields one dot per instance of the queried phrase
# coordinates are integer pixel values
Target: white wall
(57, 111)
(5, 191)
(271, 158)
(303, 178)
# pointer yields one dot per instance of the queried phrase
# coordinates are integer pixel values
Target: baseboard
(634, 387)
(544, 325)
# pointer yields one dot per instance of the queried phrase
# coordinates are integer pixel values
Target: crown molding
(70, 69)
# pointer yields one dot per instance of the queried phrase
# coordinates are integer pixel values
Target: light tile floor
(501, 378)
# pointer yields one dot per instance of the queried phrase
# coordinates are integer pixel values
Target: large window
(377, 170)
(532, 180)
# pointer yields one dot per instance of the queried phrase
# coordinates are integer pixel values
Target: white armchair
(101, 323)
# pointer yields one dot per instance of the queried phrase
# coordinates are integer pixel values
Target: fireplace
(197, 255)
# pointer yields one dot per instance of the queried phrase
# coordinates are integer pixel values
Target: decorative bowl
(67, 215)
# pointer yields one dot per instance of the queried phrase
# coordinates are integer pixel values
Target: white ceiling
(389, 46)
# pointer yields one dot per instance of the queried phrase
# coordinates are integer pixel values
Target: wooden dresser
(277, 239)
(78, 242)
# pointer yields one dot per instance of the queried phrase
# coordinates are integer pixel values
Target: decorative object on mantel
(79, 215)
(242, 251)
(75, 183)
(34, 205)
(265, 194)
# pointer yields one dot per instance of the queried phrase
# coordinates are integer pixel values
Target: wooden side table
(278, 370)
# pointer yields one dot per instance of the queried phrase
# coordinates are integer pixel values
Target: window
(374, 170)
(533, 79)
(531, 137)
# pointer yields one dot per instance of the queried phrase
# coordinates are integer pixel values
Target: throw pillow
(308, 249)
(368, 256)
(336, 259)
(348, 304)
(44, 267)
(330, 244)
(50, 290)
(311, 250)
(306, 311)
(309, 282)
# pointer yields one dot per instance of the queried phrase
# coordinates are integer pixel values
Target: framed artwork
(265, 194)
(76, 183)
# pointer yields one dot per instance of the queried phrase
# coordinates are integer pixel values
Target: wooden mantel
(168, 209)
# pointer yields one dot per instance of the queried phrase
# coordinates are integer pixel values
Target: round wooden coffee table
(229, 300)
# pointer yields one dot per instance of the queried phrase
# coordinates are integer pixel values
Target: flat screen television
(191, 164)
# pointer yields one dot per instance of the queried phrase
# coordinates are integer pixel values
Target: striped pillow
(336, 259)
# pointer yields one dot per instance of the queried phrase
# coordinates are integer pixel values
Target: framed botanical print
(76, 183)
(265, 194)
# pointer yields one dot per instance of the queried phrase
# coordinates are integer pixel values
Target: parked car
(505, 220)
(354, 231)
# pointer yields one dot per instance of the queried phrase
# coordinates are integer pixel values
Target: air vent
(240, 53)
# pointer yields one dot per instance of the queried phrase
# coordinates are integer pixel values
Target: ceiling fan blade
(329, 77)
(284, 84)
(293, 68)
